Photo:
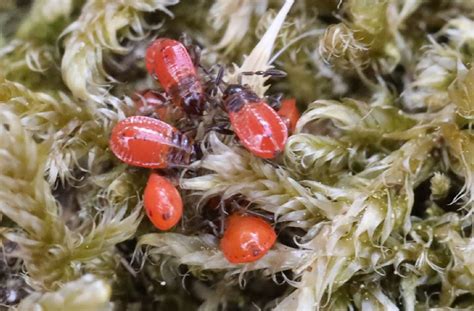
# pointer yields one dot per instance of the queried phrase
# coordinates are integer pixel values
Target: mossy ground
(372, 198)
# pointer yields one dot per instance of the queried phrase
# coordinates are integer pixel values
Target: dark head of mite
(236, 96)
(193, 103)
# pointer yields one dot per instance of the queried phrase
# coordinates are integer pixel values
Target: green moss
(372, 197)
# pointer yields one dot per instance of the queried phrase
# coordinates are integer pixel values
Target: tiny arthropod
(150, 102)
(246, 238)
(153, 104)
(169, 61)
(162, 201)
(259, 128)
(147, 142)
(289, 113)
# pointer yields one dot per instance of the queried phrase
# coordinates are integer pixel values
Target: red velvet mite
(246, 238)
(152, 103)
(169, 61)
(162, 201)
(289, 113)
(258, 126)
(147, 142)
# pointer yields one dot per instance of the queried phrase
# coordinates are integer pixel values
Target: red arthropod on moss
(151, 143)
(149, 102)
(169, 61)
(246, 238)
(154, 104)
(289, 113)
(162, 201)
(259, 128)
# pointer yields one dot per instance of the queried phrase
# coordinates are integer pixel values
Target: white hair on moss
(87, 293)
(44, 13)
(51, 251)
(99, 29)
(203, 252)
(259, 58)
(237, 15)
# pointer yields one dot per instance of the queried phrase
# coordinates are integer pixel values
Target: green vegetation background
(373, 197)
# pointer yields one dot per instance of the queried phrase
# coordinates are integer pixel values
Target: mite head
(193, 103)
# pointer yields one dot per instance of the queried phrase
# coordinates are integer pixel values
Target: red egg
(289, 113)
(163, 204)
(169, 61)
(246, 238)
(259, 128)
(147, 142)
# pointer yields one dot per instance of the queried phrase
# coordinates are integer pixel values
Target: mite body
(169, 61)
(162, 201)
(151, 143)
(259, 128)
(246, 238)
(289, 113)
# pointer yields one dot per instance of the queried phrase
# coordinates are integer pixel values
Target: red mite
(149, 102)
(257, 125)
(147, 142)
(289, 113)
(152, 103)
(162, 201)
(246, 238)
(169, 61)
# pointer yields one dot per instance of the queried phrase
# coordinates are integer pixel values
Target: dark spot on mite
(187, 91)
(166, 216)
(236, 96)
(150, 213)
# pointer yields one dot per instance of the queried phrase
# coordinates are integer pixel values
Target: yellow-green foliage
(461, 92)
(236, 16)
(440, 185)
(100, 28)
(77, 130)
(316, 157)
(51, 251)
(461, 150)
(358, 118)
(86, 293)
(339, 45)
(29, 63)
(236, 171)
(369, 35)
(45, 18)
(434, 72)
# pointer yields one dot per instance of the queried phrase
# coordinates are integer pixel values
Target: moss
(372, 197)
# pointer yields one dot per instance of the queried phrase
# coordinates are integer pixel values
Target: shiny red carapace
(162, 201)
(147, 142)
(246, 238)
(259, 128)
(169, 61)
(289, 113)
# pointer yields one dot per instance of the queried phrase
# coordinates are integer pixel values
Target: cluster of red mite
(150, 142)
